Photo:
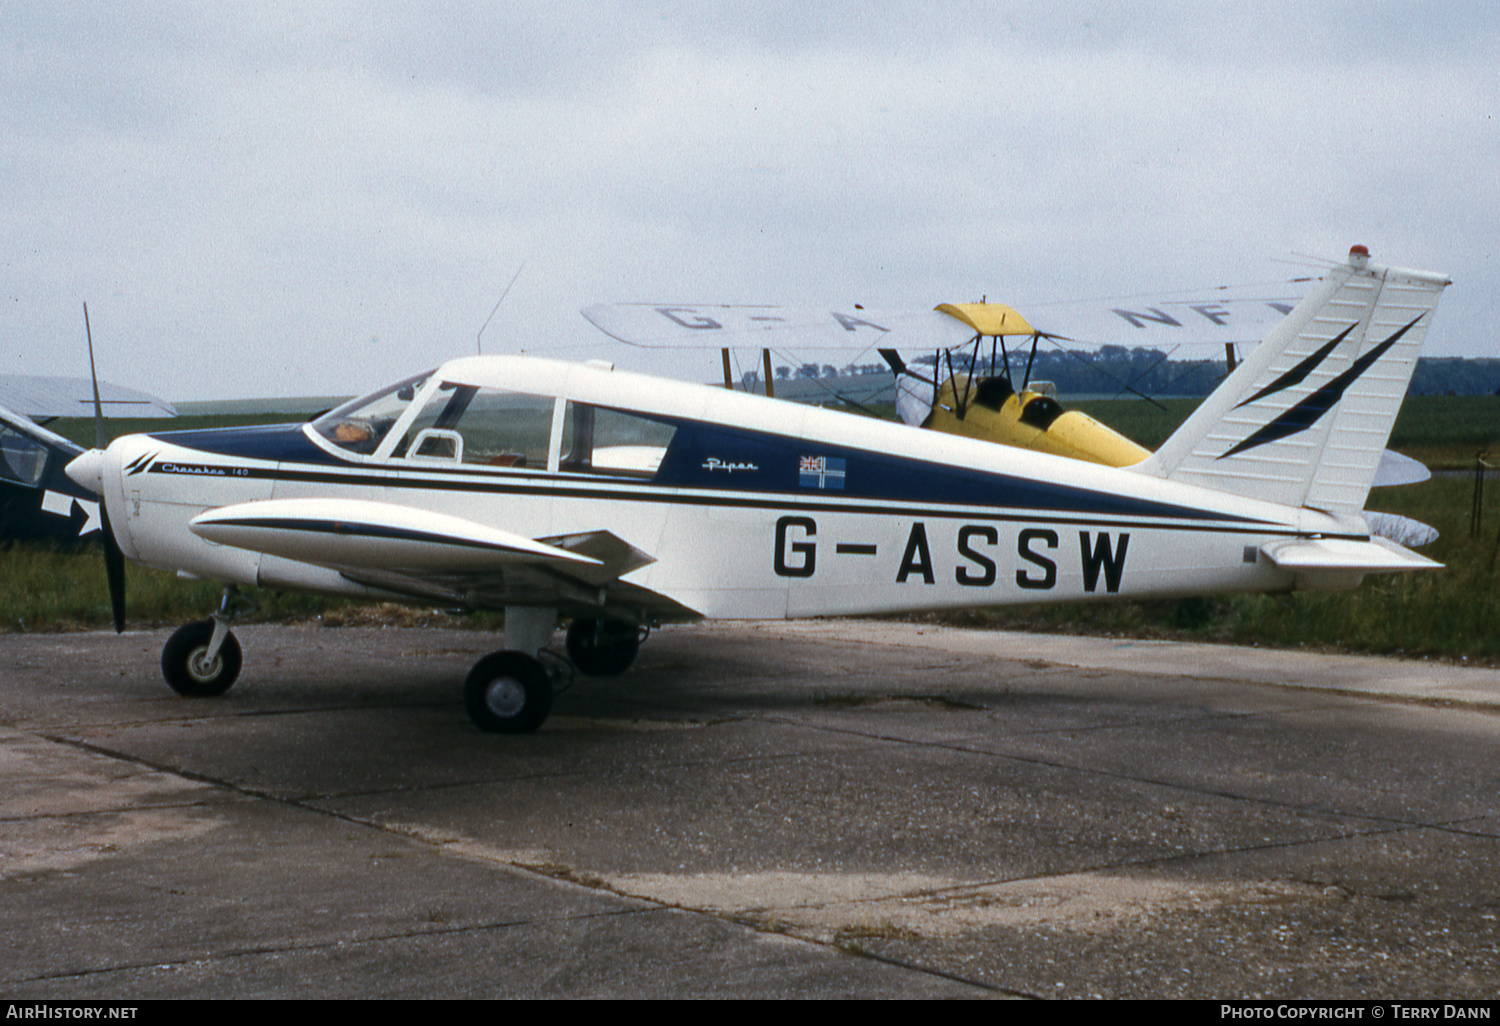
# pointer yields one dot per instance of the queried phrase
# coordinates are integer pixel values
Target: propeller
(114, 559)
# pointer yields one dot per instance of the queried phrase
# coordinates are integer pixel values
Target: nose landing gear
(202, 659)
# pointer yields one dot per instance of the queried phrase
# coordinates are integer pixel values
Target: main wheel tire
(508, 693)
(185, 665)
(603, 648)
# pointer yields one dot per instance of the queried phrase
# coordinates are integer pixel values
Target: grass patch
(53, 590)
(45, 589)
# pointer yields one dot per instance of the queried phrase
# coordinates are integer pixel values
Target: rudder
(1303, 421)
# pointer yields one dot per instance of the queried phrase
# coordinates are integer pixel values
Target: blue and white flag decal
(820, 472)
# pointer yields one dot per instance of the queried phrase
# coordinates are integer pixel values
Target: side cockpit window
(360, 425)
(492, 427)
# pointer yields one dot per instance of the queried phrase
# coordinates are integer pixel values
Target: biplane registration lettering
(976, 563)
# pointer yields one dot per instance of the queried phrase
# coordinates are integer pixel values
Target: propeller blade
(101, 441)
(114, 568)
(114, 559)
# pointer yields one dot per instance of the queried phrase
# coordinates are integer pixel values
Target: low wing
(46, 398)
(444, 558)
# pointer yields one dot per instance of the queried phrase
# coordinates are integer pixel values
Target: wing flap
(616, 557)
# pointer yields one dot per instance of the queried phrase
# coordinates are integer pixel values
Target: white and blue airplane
(618, 501)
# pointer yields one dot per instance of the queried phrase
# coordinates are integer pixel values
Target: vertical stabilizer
(1304, 419)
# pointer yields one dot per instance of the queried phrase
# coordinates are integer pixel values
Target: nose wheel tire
(603, 648)
(508, 693)
(189, 670)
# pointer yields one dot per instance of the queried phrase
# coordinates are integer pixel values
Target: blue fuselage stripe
(872, 483)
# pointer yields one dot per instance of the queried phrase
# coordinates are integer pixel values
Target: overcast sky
(318, 198)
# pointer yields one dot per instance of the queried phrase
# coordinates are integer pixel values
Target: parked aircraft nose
(87, 470)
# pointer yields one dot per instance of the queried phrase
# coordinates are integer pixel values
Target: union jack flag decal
(820, 472)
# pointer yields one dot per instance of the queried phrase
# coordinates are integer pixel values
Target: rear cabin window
(598, 440)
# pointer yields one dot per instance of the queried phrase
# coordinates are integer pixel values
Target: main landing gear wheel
(508, 693)
(603, 648)
(186, 664)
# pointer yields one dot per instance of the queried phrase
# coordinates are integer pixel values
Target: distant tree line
(1111, 370)
(1118, 370)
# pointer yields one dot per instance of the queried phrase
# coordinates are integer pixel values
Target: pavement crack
(555, 873)
(1448, 826)
(327, 945)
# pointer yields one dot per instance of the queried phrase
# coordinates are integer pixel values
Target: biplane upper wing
(687, 326)
(1214, 316)
(440, 557)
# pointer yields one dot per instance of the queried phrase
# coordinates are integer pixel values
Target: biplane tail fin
(1303, 421)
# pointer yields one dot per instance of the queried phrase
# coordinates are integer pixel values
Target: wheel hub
(202, 668)
(505, 697)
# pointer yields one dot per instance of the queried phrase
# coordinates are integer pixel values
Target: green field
(1447, 614)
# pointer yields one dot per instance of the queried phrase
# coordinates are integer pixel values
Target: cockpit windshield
(360, 425)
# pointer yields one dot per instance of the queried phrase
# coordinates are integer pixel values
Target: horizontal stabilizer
(1344, 555)
(1399, 529)
(1396, 469)
(374, 535)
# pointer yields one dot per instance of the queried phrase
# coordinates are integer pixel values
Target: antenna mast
(478, 347)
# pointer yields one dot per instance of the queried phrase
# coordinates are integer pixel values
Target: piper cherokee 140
(618, 501)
